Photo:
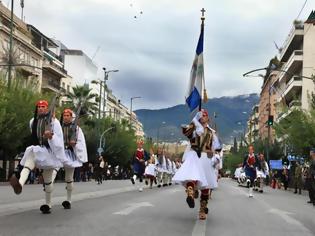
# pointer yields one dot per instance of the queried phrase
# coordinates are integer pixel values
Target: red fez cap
(204, 112)
(67, 110)
(42, 103)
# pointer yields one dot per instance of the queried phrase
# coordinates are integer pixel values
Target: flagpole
(202, 30)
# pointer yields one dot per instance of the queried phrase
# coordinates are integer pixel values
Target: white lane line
(199, 228)
(22, 206)
(132, 207)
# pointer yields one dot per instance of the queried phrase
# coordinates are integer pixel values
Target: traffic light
(270, 121)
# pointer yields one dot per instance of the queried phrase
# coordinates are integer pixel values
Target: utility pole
(269, 113)
(10, 46)
(100, 101)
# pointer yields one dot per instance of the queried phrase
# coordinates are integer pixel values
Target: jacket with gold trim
(199, 143)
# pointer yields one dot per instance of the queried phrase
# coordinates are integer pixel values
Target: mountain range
(228, 116)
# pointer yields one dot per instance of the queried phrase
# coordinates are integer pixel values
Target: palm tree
(82, 95)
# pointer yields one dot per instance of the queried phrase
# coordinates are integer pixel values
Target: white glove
(198, 115)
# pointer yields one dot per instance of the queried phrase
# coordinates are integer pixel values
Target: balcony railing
(296, 26)
(288, 64)
(295, 103)
(294, 79)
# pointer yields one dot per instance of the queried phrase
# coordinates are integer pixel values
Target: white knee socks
(29, 165)
(49, 184)
(69, 182)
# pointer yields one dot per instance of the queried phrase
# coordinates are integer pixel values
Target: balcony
(293, 88)
(294, 63)
(54, 65)
(294, 41)
(293, 105)
(51, 84)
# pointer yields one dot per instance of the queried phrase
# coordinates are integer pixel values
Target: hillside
(231, 116)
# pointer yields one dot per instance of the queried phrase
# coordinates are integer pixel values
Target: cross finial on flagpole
(203, 12)
(203, 15)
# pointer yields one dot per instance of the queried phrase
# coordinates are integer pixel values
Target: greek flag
(196, 84)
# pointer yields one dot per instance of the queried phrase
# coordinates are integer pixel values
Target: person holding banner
(196, 172)
(46, 152)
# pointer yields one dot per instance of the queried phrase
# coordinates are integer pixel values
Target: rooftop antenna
(22, 6)
(96, 51)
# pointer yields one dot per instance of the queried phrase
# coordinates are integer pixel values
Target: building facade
(293, 84)
(266, 107)
(253, 126)
(27, 59)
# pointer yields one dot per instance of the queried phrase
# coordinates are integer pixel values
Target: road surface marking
(132, 207)
(199, 228)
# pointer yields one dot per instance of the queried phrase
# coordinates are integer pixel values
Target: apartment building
(253, 125)
(266, 106)
(27, 58)
(293, 85)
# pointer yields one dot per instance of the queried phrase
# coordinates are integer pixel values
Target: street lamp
(100, 149)
(131, 99)
(106, 72)
(158, 132)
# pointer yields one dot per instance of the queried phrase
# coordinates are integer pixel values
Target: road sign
(100, 150)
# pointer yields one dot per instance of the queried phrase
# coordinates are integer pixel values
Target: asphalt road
(117, 208)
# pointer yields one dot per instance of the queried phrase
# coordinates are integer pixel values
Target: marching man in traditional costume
(161, 167)
(47, 151)
(195, 172)
(150, 172)
(75, 150)
(214, 167)
(262, 171)
(138, 164)
(250, 164)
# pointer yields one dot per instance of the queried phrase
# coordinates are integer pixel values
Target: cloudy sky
(155, 50)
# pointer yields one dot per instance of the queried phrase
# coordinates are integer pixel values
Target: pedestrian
(250, 164)
(75, 150)
(298, 181)
(310, 178)
(194, 173)
(46, 152)
(285, 177)
(139, 158)
(100, 169)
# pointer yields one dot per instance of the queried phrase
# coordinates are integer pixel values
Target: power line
(301, 9)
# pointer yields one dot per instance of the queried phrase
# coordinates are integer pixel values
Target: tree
(17, 107)
(298, 131)
(235, 146)
(118, 144)
(82, 95)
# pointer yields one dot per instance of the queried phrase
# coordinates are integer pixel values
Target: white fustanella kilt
(150, 170)
(209, 171)
(71, 160)
(191, 170)
(44, 158)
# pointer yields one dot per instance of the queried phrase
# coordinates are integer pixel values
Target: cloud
(154, 51)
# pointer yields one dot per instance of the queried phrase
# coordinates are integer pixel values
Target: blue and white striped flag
(197, 82)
